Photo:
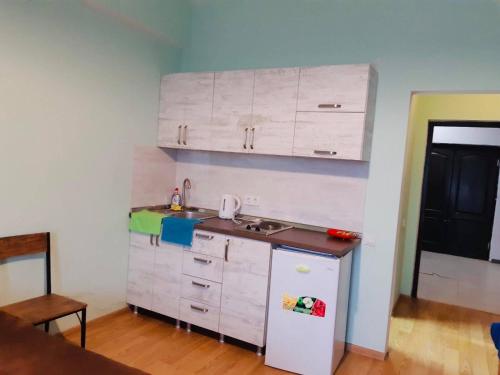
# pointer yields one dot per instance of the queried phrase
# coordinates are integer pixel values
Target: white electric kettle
(229, 206)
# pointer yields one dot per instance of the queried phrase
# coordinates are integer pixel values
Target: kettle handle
(238, 204)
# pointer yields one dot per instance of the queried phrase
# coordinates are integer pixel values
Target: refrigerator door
(299, 338)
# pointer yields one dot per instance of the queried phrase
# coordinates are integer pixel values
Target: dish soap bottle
(175, 204)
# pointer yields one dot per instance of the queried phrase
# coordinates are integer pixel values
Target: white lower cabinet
(220, 283)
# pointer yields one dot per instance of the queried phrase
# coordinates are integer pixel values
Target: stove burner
(264, 227)
(270, 225)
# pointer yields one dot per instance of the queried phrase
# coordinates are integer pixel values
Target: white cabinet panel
(244, 290)
(208, 243)
(329, 135)
(199, 314)
(167, 279)
(273, 115)
(203, 266)
(334, 88)
(197, 289)
(140, 274)
(232, 110)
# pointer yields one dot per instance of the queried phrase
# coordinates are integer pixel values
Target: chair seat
(44, 309)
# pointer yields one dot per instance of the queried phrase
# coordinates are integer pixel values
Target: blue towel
(178, 230)
(495, 335)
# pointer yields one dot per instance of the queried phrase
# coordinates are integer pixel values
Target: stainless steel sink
(194, 213)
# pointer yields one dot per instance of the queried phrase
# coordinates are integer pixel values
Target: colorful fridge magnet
(304, 305)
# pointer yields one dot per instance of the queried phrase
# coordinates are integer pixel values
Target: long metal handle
(226, 250)
(157, 240)
(253, 138)
(331, 106)
(246, 139)
(185, 135)
(325, 152)
(179, 131)
(201, 260)
(151, 240)
(204, 236)
(206, 286)
(200, 309)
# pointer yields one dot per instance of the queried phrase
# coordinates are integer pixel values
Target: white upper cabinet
(186, 110)
(273, 115)
(334, 88)
(329, 135)
(232, 110)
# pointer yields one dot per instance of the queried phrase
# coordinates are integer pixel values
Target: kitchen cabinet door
(140, 271)
(273, 115)
(167, 279)
(244, 290)
(232, 110)
(333, 88)
(329, 135)
(186, 110)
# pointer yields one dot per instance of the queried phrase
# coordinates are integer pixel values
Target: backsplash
(328, 193)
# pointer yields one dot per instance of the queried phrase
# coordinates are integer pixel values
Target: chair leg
(83, 328)
(46, 326)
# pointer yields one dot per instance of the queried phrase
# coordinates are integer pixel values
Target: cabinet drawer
(141, 240)
(200, 314)
(209, 243)
(338, 88)
(329, 135)
(201, 290)
(203, 266)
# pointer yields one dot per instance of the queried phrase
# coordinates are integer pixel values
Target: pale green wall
(78, 90)
(414, 44)
(426, 107)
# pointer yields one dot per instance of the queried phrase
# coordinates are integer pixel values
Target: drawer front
(334, 88)
(141, 240)
(200, 314)
(201, 290)
(329, 135)
(209, 243)
(202, 266)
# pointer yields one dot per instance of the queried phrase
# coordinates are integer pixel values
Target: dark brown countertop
(301, 238)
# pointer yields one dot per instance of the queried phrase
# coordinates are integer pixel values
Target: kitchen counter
(311, 240)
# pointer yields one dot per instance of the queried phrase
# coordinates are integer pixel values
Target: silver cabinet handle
(201, 260)
(332, 106)
(157, 240)
(226, 250)
(179, 131)
(204, 236)
(253, 138)
(200, 309)
(206, 286)
(325, 152)
(151, 240)
(185, 135)
(246, 139)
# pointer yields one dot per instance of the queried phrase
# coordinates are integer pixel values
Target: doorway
(457, 215)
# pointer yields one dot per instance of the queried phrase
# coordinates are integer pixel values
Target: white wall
(474, 136)
(328, 193)
(77, 92)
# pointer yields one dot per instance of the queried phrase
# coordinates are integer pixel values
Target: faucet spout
(186, 185)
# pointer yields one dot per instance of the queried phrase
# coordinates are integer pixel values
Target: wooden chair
(44, 309)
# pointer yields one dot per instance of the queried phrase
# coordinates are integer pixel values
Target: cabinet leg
(177, 323)
(221, 338)
(259, 351)
(136, 310)
(188, 327)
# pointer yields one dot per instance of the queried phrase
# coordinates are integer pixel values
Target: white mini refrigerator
(307, 319)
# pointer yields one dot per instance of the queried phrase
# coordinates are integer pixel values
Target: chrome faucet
(185, 185)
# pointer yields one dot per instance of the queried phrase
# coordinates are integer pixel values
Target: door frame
(430, 133)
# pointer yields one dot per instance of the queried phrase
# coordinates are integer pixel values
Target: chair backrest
(27, 244)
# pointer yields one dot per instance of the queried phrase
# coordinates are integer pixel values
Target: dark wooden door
(460, 201)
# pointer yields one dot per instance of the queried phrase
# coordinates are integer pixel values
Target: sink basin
(194, 213)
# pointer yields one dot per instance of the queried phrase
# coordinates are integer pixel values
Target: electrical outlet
(251, 200)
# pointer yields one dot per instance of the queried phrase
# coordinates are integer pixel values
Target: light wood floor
(426, 338)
